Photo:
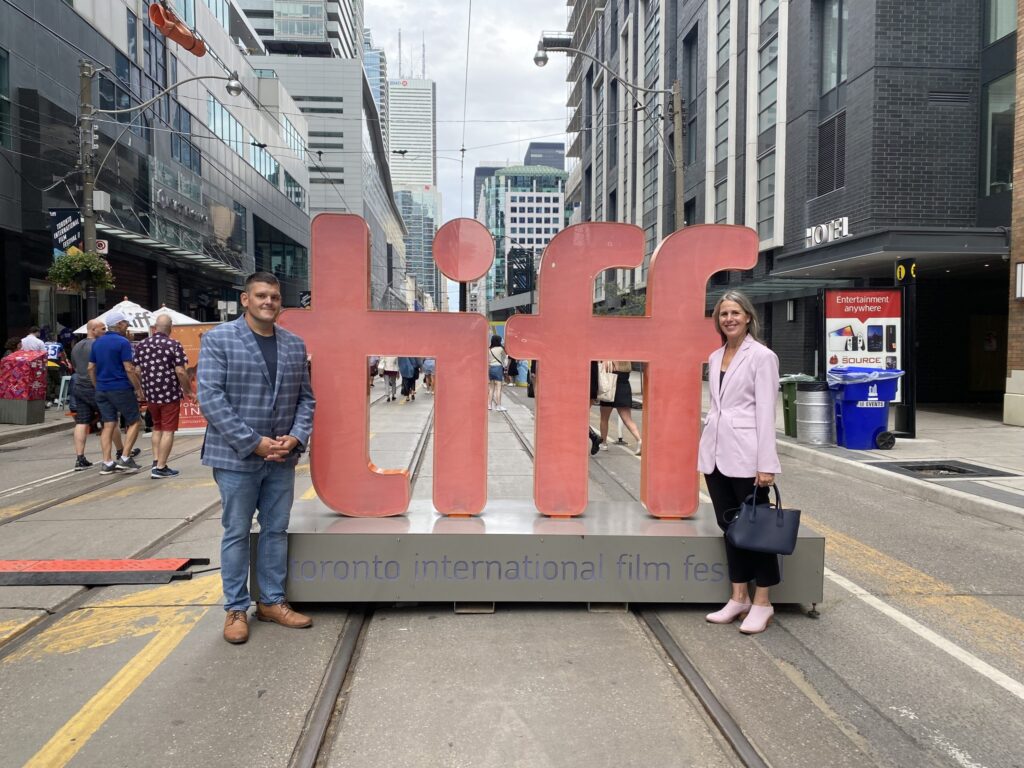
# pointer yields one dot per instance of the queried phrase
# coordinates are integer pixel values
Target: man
(83, 395)
(161, 362)
(32, 342)
(118, 391)
(253, 389)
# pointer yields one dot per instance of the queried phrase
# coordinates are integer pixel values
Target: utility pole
(87, 157)
(677, 150)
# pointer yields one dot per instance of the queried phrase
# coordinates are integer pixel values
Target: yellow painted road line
(11, 629)
(309, 495)
(989, 628)
(75, 734)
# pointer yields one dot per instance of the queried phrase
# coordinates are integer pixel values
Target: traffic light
(174, 29)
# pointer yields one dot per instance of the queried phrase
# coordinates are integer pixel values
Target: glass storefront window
(998, 101)
(1000, 19)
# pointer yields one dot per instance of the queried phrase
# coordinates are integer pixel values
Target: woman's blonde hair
(753, 328)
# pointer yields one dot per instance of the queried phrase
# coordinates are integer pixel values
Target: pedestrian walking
(737, 449)
(408, 367)
(621, 402)
(255, 394)
(83, 397)
(12, 345)
(373, 368)
(162, 366)
(429, 374)
(388, 367)
(118, 392)
(32, 342)
(496, 358)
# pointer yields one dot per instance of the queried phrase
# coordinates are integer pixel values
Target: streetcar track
(46, 504)
(723, 721)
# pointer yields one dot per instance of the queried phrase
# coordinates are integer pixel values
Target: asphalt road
(916, 659)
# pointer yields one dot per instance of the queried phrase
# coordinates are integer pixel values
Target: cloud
(521, 101)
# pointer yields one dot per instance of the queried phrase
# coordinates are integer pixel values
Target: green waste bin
(788, 384)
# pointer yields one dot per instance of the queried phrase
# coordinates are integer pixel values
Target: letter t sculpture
(341, 331)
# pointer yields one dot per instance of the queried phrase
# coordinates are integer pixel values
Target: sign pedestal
(614, 553)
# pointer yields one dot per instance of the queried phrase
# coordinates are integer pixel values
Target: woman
(495, 373)
(388, 367)
(622, 403)
(429, 372)
(409, 368)
(737, 449)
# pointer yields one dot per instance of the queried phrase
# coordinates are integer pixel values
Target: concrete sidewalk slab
(54, 420)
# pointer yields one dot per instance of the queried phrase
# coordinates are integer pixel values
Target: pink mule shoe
(729, 613)
(757, 620)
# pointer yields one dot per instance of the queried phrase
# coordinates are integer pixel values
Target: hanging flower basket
(75, 270)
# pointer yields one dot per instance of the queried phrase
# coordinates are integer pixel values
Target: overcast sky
(523, 101)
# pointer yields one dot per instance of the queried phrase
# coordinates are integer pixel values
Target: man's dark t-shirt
(268, 346)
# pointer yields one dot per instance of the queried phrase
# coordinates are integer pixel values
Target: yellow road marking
(137, 615)
(77, 731)
(309, 494)
(988, 627)
(14, 627)
(16, 509)
(170, 612)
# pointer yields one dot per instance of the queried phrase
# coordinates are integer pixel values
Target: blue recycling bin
(862, 405)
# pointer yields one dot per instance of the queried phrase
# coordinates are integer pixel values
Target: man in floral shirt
(161, 363)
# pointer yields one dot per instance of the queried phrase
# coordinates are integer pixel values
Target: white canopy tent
(140, 319)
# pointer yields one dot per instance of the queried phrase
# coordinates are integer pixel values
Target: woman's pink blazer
(739, 430)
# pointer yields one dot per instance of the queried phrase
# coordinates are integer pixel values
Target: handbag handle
(778, 496)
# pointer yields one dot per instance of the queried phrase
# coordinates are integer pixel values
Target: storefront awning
(178, 254)
(774, 288)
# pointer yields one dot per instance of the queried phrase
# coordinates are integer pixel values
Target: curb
(922, 490)
(42, 429)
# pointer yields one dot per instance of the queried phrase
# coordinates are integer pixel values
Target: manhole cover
(941, 470)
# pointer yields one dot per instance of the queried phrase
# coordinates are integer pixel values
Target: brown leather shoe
(282, 614)
(236, 627)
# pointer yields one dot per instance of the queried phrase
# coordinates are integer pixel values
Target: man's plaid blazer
(242, 405)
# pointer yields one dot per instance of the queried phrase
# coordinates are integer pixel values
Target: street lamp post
(562, 42)
(88, 144)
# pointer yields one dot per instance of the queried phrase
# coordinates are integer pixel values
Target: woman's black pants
(727, 493)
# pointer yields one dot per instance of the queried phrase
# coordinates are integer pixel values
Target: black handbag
(762, 527)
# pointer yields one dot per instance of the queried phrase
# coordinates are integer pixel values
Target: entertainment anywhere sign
(864, 327)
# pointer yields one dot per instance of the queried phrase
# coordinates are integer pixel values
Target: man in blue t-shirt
(118, 391)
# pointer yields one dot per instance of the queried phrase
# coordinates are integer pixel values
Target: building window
(998, 101)
(692, 88)
(299, 21)
(1000, 19)
(186, 10)
(833, 44)
(224, 125)
(265, 164)
(723, 34)
(133, 35)
(5, 100)
(241, 236)
(182, 148)
(294, 191)
(767, 94)
(220, 11)
(832, 154)
(766, 197)
(768, 7)
(721, 203)
(292, 138)
(721, 123)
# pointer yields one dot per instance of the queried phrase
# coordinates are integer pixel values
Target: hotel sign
(836, 229)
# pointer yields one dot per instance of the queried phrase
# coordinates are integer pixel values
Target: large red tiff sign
(341, 331)
(673, 338)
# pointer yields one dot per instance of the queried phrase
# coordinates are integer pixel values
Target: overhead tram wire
(465, 103)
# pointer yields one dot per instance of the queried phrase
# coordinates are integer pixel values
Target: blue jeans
(269, 490)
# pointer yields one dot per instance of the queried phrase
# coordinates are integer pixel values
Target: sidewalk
(54, 420)
(991, 487)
